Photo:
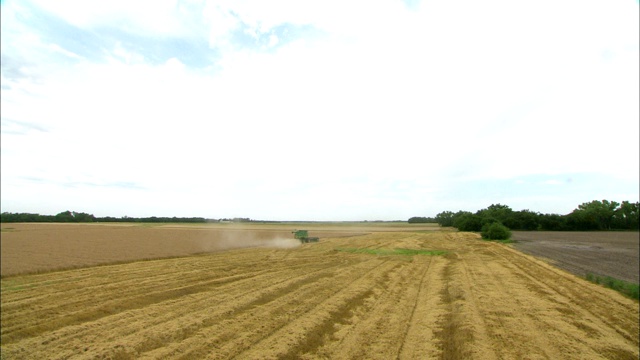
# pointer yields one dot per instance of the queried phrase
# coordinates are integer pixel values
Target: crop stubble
(481, 300)
(35, 247)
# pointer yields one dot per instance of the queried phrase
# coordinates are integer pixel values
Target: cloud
(381, 110)
(20, 127)
(145, 17)
(554, 182)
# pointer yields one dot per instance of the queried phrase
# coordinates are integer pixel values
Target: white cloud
(553, 182)
(148, 17)
(59, 49)
(425, 99)
(222, 22)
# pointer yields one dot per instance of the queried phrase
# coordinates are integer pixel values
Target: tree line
(594, 215)
(421, 220)
(80, 217)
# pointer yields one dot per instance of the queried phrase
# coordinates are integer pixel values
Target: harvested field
(30, 248)
(610, 253)
(342, 298)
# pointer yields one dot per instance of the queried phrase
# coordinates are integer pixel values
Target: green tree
(445, 218)
(594, 215)
(627, 216)
(496, 211)
(523, 220)
(65, 216)
(495, 231)
(468, 222)
(421, 219)
(553, 222)
(83, 217)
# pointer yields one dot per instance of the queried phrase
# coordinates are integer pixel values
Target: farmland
(612, 253)
(29, 248)
(360, 293)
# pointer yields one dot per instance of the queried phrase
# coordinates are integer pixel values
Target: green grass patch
(408, 252)
(626, 288)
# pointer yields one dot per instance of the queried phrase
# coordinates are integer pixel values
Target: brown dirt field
(610, 253)
(481, 300)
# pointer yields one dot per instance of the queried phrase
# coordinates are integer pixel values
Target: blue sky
(317, 110)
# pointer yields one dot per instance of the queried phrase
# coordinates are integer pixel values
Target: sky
(317, 110)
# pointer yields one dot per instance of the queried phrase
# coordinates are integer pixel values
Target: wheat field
(346, 297)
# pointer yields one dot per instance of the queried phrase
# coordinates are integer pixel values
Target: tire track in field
(69, 317)
(575, 294)
(221, 295)
(383, 317)
(593, 323)
(323, 331)
(122, 275)
(528, 306)
(81, 291)
(419, 341)
(454, 332)
(153, 342)
(381, 332)
(311, 326)
(484, 344)
(224, 341)
(125, 276)
(249, 300)
(507, 309)
(375, 328)
(57, 314)
(126, 322)
(412, 318)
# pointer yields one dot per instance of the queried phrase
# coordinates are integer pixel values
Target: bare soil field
(480, 300)
(611, 253)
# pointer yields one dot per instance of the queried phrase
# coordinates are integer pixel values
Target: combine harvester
(303, 236)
